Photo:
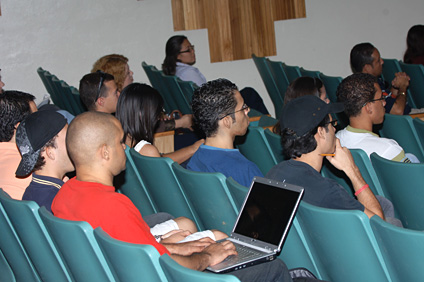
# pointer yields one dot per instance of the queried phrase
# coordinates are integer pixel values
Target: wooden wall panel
(236, 28)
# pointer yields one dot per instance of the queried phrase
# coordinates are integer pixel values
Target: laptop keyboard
(244, 253)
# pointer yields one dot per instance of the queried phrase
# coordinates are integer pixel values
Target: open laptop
(262, 225)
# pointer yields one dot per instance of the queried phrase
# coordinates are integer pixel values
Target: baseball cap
(305, 113)
(33, 133)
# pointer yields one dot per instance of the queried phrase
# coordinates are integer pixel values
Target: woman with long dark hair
(415, 45)
(179, 60)
(139, 109)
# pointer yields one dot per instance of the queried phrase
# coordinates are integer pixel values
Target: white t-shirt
(353, 138)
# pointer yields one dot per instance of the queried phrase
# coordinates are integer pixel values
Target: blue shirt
(42, 190)
(189, 73)
(229, 162)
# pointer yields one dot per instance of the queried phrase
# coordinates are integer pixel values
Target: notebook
(262, 224)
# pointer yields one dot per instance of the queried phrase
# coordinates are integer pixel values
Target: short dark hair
(41, 161)
(294, 146)
(303, 86)
(139, 108)
(356, 90)
(211, 102)
(14, 108)
(361, 55)
(172, 49)
(88, 87)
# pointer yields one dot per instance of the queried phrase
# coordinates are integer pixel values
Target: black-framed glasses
(334, 122)
(189, 49)
(383, 98)
(102, 79)
(243, 108)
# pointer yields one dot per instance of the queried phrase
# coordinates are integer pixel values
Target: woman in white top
(139, 109)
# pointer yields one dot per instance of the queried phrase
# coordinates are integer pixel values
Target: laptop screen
(266, 214)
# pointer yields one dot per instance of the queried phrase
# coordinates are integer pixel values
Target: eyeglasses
(375, 100)
(189, 49)
(102, 79)
(333, 122)
(243, 108)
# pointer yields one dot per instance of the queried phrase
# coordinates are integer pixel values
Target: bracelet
(361, 189)
(402, 93)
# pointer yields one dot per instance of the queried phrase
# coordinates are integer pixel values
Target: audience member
(364, 105)
(414, 53)
(306, 85)
(139, 109)
(95, 144)
(40, 138)
(99, 92)
(307, 135)
(220, 112)
(365, 58)
(179, 60)
(303, 86)
(14, 107)
(116, 65)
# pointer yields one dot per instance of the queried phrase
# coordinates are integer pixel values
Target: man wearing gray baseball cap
(40, 138)
(307, 137)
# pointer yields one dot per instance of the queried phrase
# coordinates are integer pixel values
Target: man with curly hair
(364, 105)
(221, 114)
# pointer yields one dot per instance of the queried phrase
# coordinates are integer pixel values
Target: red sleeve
(123, 221)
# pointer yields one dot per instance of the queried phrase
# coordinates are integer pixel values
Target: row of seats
(37, 246)
(177, 94)
(64, 96)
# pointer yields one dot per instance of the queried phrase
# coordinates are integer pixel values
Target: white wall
(67, 36)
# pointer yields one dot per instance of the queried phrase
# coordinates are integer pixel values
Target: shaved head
(88, 132)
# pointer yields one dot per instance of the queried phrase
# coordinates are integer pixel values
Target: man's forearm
(197, 261)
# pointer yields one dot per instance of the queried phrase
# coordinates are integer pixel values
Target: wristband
(361, 189)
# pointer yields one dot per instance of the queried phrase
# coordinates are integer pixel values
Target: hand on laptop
(175, 236)
(220, 251)
(186, 249)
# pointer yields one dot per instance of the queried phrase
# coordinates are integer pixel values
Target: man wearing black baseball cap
(41, 141)
(307, 137)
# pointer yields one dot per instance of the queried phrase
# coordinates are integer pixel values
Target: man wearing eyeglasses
(307, 137)
(364, 106)
(220, 113)
(99, 92)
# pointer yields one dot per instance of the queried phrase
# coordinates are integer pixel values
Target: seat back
(56, 98)
(271, 84)
(401, 248)
(274, 141)
(177, 273)
(76, 243)
(45, 78)
(77, 98)
(254, 146)
(309, 73)
(35, 239)
(280, 79)
(419, 128)
(66, 93)
(342, 243)
(188, 88)
(13, 250)
(292, 72)
(416, 84)
(238, 191)
(209, 196)
(176, 93)
(132, 185)
(130, 262)
(5, 270)
(154, 76)
(163, 187)
(402, 184)
(331, 83)
(401, 129)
